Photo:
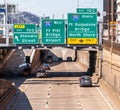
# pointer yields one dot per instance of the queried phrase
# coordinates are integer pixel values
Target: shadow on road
(66, 74)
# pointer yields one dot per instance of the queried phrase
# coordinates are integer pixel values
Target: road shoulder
(108, 91)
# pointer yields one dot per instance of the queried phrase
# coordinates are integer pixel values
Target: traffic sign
(26, 38)
(87, 10)
(2, 10)
(24, 28)
(53, 31)
(25, 34)
(82, 27)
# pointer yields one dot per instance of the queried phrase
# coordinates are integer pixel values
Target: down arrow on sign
(81, 40)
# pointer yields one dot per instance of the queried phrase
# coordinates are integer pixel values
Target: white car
(85, 81)
(24, 69)
(41, 73)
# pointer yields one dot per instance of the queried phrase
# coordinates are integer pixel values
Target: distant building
(110, 18)
(107, 7)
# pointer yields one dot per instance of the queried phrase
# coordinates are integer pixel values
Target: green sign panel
(24, 28)
(26, 38)
(25, 34)
(53, 31)
(87, 10)
(82, 28)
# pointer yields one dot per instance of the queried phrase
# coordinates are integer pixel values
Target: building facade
(118, 21)
(112, 9)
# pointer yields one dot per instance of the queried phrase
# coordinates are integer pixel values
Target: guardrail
(7, 91)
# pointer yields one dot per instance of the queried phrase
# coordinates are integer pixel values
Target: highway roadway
(59, 91)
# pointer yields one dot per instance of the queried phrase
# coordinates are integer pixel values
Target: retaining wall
(7, 91)
(111, 66)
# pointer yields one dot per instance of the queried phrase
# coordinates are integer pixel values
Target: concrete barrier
(111, 66)
(7, 91)
(36, 61)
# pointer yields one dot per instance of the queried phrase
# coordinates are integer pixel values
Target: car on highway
(69, 59)
(46, 66)
(49, 59)
(60, 59)
(41, 73)
(85, 81)
(24, 69)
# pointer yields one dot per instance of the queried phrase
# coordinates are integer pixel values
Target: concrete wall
(83, 59)
(87, 61)
(38, 58)
(4, 54)
(111, 66)
(111, 70)
(7, 92)
(35, 63)
(11, 62)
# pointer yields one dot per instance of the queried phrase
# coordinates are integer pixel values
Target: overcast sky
(56, 7)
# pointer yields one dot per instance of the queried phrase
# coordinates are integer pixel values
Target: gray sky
(56, 7)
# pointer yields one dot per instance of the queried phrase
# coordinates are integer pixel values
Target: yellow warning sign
(82, 41)
(19, 26)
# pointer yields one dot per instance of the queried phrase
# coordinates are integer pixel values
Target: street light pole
(112, 20)
(112, 31)
(78, 3)
(109, 13)
(4, 1)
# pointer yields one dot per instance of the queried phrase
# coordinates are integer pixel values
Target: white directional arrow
(16, 37)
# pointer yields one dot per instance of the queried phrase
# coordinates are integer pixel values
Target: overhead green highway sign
(82, 27)
(26, 38)
(53, 31)
(25, 34)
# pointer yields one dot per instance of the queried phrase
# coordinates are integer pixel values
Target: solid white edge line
(109, 105)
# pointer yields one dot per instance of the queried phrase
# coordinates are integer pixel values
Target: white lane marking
(109, 105)
(46, 105)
